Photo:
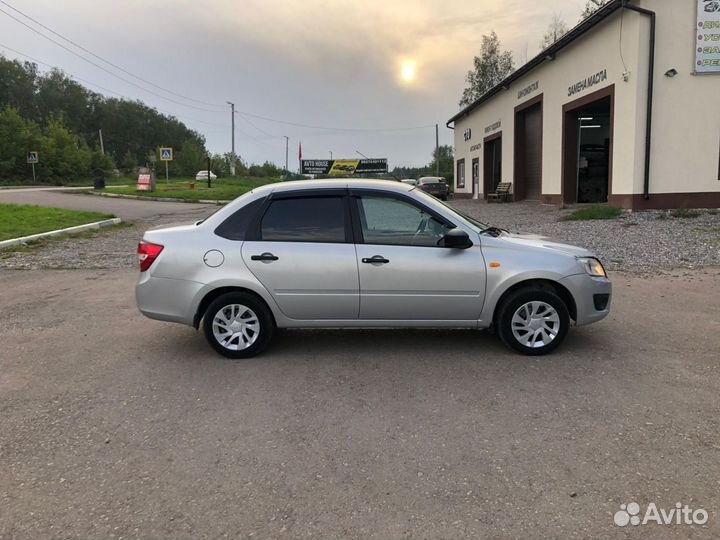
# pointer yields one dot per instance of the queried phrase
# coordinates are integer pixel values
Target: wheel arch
(217, 292)
(543, 284)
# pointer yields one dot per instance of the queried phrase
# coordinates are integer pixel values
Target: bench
(502, 193)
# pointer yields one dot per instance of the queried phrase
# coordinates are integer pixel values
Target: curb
(218, 202)
(59, 232)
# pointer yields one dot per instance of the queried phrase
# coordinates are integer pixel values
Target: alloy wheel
(236, 327)
(535, 324)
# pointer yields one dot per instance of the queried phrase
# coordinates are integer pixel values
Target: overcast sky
(332, 63)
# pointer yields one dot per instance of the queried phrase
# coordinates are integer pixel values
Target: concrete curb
(218, 202)
(59, 232)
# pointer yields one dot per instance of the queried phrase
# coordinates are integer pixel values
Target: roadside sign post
(32, 159)
(166, 154)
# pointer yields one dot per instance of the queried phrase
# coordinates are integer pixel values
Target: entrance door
(588, 147)
(492, 164)
(305, 258)
(405, 272)
(476, 177)
(528, 152)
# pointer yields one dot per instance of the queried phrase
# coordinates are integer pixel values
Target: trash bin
(98, 179)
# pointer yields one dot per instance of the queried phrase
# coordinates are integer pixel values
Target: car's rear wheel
(533, 321)
(238, 325)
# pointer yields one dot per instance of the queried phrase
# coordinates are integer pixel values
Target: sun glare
(407, 70)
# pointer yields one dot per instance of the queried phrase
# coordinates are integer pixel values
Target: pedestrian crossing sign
(32, 157)
(166, 154)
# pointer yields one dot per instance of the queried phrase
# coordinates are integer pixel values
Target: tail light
(147, 253)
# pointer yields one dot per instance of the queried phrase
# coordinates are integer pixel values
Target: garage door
(531, 154)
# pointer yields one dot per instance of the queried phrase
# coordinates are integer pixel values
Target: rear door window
(306, 219)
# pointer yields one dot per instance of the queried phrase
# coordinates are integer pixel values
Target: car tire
(533, 321)
(238, 325)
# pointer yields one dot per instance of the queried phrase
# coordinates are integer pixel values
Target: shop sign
(589, 82)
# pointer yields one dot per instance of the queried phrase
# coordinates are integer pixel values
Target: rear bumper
(592, 295)
(166, 299)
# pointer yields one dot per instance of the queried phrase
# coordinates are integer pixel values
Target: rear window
(235, 227)
(307, 219)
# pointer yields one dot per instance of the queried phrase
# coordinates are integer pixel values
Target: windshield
(472, 223)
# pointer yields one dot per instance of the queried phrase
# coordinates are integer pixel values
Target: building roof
(547, 54)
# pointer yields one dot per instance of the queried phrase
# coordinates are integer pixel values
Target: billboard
(343, 167)
(707, 53)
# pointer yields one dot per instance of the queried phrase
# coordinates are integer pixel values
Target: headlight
(592, 266)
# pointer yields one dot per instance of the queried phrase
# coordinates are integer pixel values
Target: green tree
(190, 159)
(17, 138)
(489, 68)
(101, 161)
(444, 155)
(128, 162)
(65, 156)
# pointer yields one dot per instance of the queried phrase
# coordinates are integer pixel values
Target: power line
(105, 60)
(102, 68)
(186, 118)
(328, 128)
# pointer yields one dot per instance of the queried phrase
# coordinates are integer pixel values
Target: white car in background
(203, 175)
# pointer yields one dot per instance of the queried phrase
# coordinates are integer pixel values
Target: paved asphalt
(116, 426)
(127, 209)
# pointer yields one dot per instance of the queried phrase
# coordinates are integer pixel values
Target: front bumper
(593, 297)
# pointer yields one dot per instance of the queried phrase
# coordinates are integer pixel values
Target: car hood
(544, 243)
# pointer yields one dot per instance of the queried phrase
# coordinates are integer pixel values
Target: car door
(405, 272)
(301, 250)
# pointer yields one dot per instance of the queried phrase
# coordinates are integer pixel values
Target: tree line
(61, 119)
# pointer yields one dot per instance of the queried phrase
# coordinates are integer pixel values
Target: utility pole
(331, 155)
(287, 141)
(102, 146)
(232, 122)
(437, 152)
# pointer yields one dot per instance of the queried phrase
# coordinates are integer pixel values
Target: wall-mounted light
(594, 126)
(587, 118)
(671, 72)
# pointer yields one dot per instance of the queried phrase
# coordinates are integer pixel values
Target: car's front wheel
(238, 325)
(533, 321)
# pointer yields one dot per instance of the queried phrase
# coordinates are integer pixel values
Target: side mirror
(457, 238)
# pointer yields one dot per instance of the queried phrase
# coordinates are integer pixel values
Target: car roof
(294, 185)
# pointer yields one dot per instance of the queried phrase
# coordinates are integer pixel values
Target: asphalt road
(127, 209)
(116, 426)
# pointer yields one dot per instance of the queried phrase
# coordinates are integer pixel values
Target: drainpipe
(651, 83)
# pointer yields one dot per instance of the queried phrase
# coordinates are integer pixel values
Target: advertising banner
(707, 53)
(343, 167)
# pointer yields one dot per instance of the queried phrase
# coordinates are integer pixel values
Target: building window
(460, 177)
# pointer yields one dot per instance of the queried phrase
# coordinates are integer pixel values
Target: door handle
(264, 257)
(375, 259)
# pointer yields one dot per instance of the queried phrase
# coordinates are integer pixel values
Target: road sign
(166, 154)
(33, 157)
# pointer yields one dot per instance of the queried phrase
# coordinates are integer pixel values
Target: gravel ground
(112, 248)
(635, 242)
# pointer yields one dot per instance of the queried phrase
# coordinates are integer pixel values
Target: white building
(625, 108)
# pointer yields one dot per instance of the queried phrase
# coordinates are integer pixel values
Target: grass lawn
(222, 189)
(598, 211)
(23, 220)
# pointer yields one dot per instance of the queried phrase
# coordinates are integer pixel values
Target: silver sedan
(362, 253)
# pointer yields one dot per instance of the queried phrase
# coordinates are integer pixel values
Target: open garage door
(528, 152)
